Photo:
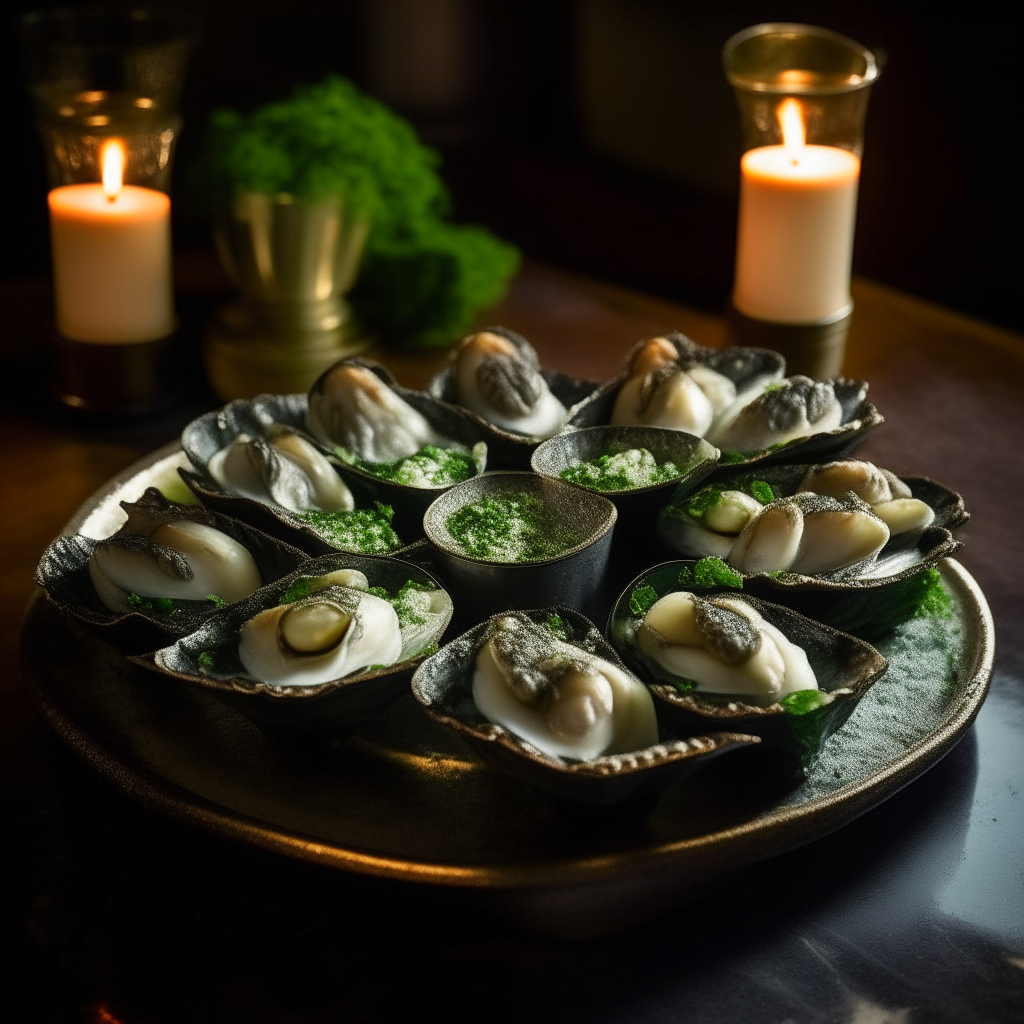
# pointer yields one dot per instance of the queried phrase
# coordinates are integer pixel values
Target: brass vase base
(245, 358)
(815, 350)
(125, 380)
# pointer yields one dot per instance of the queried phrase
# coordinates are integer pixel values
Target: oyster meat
(795, 407)
(282, 469)
(163, 556)
(497, 376)
(337, 629)
(723, 645)
(352, 408)
(561, 699)
(889, 497)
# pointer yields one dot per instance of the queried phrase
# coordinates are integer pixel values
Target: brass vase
(293, 262)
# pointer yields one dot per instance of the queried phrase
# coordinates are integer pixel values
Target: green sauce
(366, 531)
(512, 528)
(621, 471)
(429, 467)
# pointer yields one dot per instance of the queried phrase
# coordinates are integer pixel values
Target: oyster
(664, 388)
(795, 407)
(711, 521)
(352, 408)
(159, 555)
(560, 698)
(889, 497)
(497, 376)
(809, 534)
(283, 468)
(723, 645)
(335, 631)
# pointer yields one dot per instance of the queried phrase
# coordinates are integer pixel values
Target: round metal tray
(405, 800)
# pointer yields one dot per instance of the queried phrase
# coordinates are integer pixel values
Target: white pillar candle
(111, 259)
(798, 204)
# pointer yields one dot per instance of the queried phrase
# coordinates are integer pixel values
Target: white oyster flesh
(720, 390)
(673, 400)
(834, 538)
(902, 515)
(333, 634)
(715, 532)
(182, 560)
(353, 408)
(837, 479)
(503, 384)
(771, 540)
(351, 578)
(565, 702)
(284, 469)
(796, 407)
(725, 646)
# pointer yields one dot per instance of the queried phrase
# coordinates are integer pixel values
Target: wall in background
(601, 133)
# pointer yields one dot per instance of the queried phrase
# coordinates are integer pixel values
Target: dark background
(601, 134)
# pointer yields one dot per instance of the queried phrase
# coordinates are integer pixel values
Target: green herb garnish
(710, 572)
(365, 531)
(513, 527)
(205, 660)
(556, 626)
(801, 702)
(642, 600)
(429, 467)
(621, 471)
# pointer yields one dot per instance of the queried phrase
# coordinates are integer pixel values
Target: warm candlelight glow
(791, 120)
(112, 160)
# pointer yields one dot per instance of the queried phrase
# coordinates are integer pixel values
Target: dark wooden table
(914, 913)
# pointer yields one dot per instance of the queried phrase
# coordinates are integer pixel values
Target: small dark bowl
(745, 367)
(482, 587)
(338, 704)
(863, 598)
(208, 434)
(693, 455)
(63, 572)
(410, 503)
(844, 666)
(505, 448)
(443, 684)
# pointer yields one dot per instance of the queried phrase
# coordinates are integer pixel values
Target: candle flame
(791, 120)
(112, 161)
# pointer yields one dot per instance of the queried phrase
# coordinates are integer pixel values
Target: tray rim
(762, 837)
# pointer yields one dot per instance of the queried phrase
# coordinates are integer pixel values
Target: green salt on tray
(365, 531)
(512, 527)
(429, 467)
(621, 471)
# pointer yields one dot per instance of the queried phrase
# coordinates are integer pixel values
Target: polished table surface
(913, 913)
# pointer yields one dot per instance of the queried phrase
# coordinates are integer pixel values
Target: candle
(795, 242)
(111, 258)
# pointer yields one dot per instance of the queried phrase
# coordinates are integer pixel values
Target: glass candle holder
(803, 95)
(105, 86)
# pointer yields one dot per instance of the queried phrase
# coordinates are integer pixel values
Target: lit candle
(795, 243)
(111, 258)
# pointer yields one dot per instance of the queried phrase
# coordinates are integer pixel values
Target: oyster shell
(351, 407)
(161, 543)
(562, 699)
(283, 468)
(253, 461)
(445, 684)
(671, 381)
(723, 645)
(794, 408)
(847, 518)
(333, 644)
(497, 375)
(335, 631)
(802, 716)
(511, 439)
